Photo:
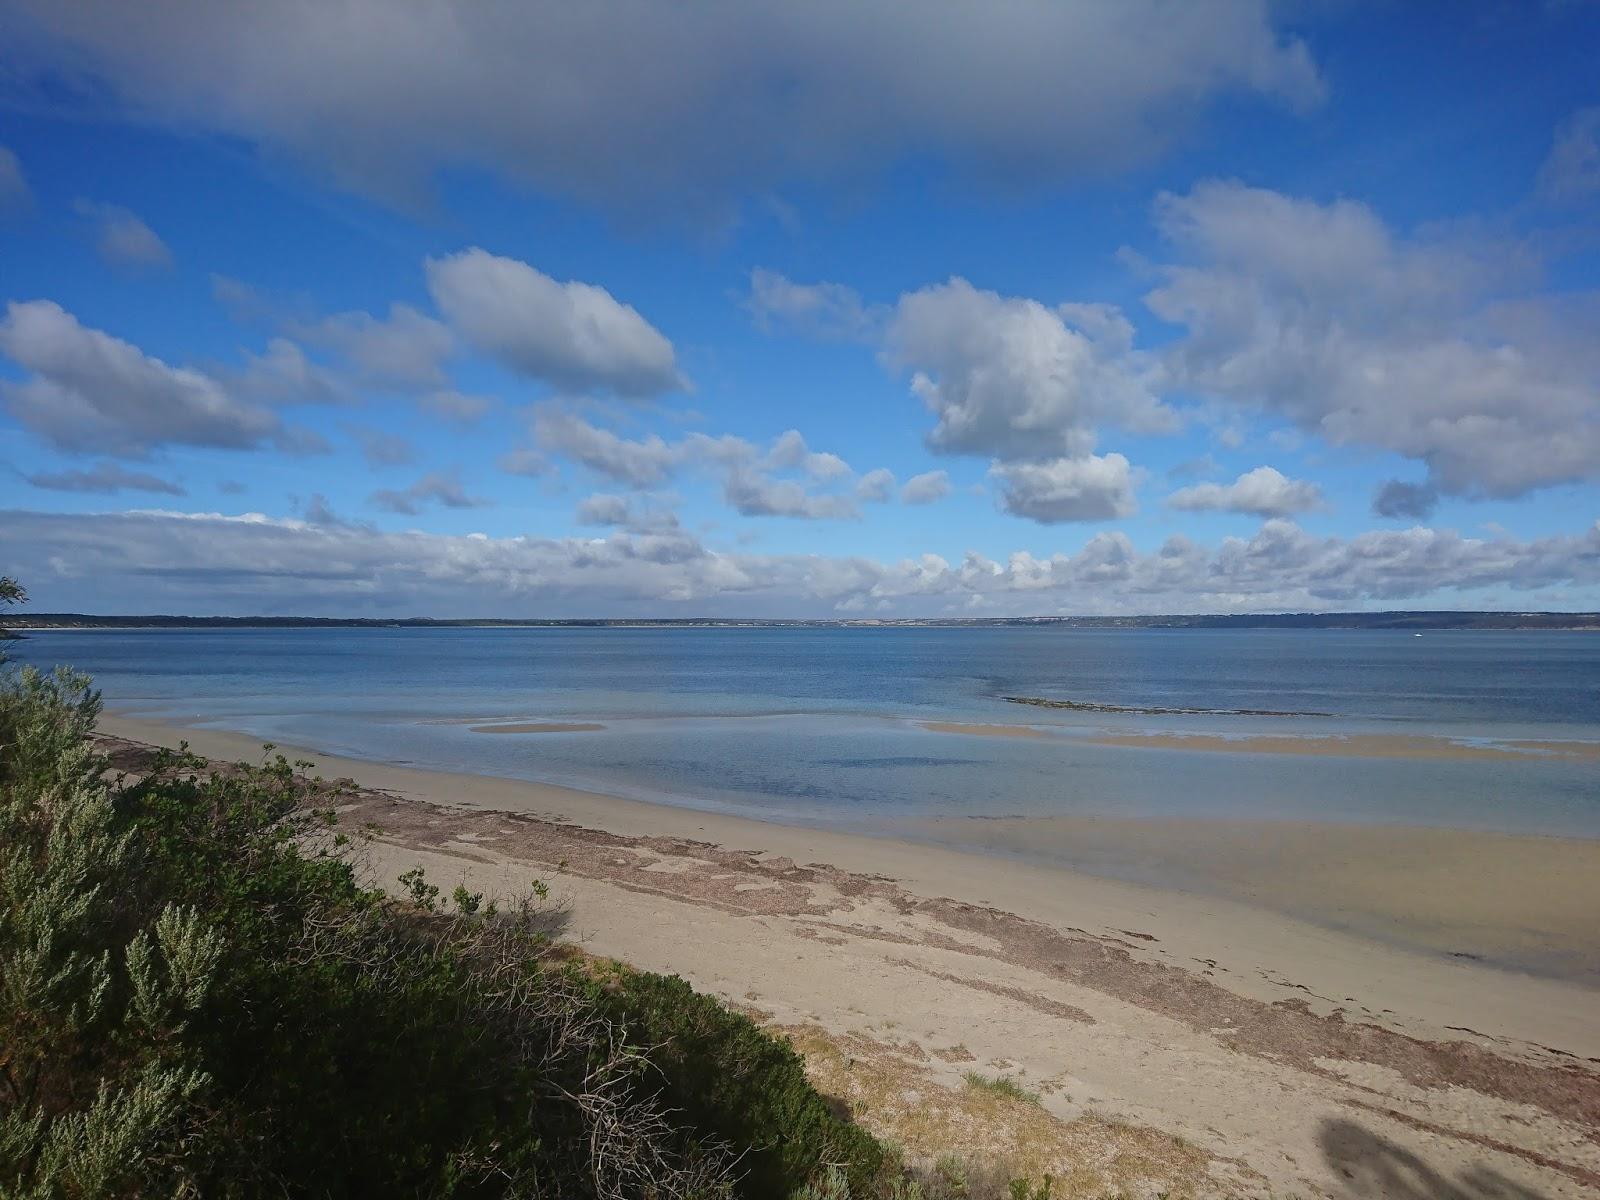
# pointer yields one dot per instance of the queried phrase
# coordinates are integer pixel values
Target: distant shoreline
(1394, 620)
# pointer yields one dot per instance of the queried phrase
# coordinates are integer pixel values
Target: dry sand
(1177, 1040)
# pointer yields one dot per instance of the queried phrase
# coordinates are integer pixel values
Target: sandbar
(1359, 745)
(540, 727)
(1019, 731)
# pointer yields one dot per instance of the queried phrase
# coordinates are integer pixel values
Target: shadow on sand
(1371, 1166)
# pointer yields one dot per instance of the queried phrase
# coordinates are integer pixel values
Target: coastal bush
(11, 592)
(725, 1074)
(199, 996)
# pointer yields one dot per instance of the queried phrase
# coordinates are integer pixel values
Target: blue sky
(800, 310)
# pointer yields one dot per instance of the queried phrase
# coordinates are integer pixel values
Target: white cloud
(643, 463)
(1263, 492)
(926, 488)
(604, 509)
(1090, 488)
(1320, 314)
(283, 374)
(697, 106)
(442, 488)
(790, 452)
(156, 561)
(573, 335)
(822, 310)
(1009, 378)
(875, 486)
(1571, 173)
(748, 485)
(91, 392)
(123, 239)
(406, 350)
(753, 494)
(106, 478)
(14, 191)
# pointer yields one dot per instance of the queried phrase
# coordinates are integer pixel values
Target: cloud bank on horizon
(799, 310)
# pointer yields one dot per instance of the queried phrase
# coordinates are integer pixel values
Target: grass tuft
(1001, 1085)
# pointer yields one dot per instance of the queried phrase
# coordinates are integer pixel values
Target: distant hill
(1347, 620)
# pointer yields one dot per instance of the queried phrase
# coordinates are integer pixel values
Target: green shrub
(737, 1083)
(199, 997)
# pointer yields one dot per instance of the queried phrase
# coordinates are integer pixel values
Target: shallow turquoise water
(821, 724)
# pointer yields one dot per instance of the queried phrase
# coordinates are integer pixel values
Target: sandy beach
(1206, 1041)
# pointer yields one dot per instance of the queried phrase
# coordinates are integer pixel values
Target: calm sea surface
(822, 725)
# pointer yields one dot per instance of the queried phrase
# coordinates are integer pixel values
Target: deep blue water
(821, 725)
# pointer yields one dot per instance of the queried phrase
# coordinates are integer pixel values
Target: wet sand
(1527, 903)
(1017, 731)
(1293, 1058)
(1360, 745)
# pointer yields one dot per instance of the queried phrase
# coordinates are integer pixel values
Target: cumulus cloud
(822, 310)
(1571, 173)
(603, 508)
(123, 239)
(638, 463)
(875, 486)
(926, 488)
(437, 487)
(752, 494)
(405, 350)
(696, 107)
(790, 452)
(93, 393)
(319, 512)
(1028, 385)
(1012, 379)
(1089, 488)
(573, 335)
(1322, 315)
(14, 190)
(154, 561)
(106, 478)
(1263, 492)
(1406, 501)
(283, 374)
(749, 483)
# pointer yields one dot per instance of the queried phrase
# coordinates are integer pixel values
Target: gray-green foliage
(11, 592)
(83, 982)
(198, 997)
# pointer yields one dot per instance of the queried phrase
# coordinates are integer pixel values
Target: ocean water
(823, 725)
